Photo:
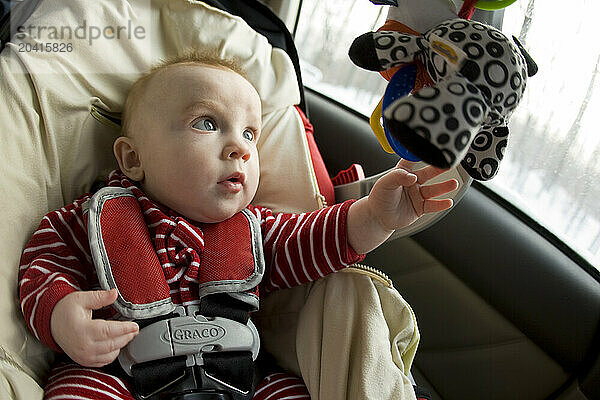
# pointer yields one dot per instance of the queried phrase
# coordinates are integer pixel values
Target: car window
(325, 32)
(552, 163)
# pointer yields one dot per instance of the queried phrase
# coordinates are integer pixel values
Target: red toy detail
(467, 9)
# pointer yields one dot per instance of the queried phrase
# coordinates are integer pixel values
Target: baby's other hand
(89, 342)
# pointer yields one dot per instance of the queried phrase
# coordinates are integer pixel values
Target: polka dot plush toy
(454, 83)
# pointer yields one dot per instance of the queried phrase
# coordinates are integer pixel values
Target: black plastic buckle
(194, 383)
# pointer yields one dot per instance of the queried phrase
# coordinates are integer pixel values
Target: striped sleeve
(55, 262)
(301, 248)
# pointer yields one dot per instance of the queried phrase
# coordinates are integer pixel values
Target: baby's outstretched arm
(89, 342)
(397, 200)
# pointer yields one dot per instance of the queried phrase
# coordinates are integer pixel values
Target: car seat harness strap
(201, 351)
(125, 258)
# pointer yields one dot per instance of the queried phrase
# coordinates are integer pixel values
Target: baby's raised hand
(400, 197)
(397, 200)
(89, 342)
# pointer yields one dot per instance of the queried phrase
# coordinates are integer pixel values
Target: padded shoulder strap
(129, 263)
(232, 259)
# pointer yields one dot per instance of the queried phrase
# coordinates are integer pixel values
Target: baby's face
(196, 137)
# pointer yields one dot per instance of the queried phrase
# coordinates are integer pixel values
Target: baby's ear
(128, 158)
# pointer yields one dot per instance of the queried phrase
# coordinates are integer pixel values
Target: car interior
(496, 298)
(505, 308)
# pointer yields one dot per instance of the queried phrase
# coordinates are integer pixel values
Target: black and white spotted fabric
(480, 76)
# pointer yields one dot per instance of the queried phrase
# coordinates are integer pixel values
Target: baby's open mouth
(237, 177)
(234, 181)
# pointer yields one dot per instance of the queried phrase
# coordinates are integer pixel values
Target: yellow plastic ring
(375, 122)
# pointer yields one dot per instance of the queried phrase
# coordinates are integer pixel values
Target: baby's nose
(237, 150)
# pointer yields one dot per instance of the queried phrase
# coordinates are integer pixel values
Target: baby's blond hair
(205, 57)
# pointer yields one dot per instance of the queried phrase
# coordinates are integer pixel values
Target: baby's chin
(212, 216)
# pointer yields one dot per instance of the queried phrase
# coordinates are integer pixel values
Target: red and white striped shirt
(298, 248)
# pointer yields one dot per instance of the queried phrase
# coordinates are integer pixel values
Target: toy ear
(385, 2)
(382, 50)
(362, 52)
(532, 67)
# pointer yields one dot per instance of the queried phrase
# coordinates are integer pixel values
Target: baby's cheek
(255, 178)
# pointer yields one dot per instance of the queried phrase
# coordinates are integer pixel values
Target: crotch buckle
(190, 334)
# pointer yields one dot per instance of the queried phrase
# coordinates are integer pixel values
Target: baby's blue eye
(205, 125)
(248, 135)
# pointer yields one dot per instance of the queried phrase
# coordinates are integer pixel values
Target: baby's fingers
(438, 189)
(114, 344)
(436, 205)
(111, 336)
(394, 179)
(406, 164)
(106, 330)
(104, 359)
(428, 173)
(423, 174)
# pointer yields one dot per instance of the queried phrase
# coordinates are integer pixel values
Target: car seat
(60, 116)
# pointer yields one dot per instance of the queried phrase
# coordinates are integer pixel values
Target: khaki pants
(349, 335)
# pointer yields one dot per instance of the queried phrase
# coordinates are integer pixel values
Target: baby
(188, 153)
